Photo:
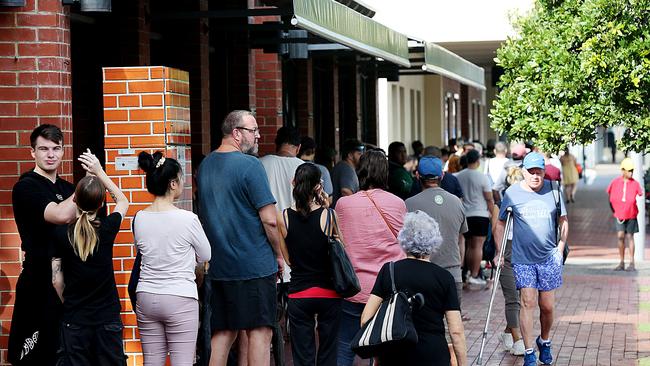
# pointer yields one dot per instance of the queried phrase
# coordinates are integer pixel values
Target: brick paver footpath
(602, 316)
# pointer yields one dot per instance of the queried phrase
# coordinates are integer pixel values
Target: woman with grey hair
(419, 238)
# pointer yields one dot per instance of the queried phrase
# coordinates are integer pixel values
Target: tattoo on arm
(56, 269)
(112, 196)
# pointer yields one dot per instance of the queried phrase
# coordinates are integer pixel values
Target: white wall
(401, 111)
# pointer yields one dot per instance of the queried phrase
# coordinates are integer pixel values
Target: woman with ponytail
(305, 247)
(92, 328)
(172, 242)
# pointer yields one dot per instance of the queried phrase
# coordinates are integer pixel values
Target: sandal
(630, 268)
(621, 267)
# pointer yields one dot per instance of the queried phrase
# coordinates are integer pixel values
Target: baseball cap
(519, 151)
(627, 164)
(430, 167)
(534, 160)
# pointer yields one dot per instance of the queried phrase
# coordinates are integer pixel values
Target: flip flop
(620, 267)
(630, 268)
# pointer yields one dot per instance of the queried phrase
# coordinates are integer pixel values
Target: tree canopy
(576, 65)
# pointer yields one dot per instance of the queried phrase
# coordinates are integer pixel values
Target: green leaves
(578, 65)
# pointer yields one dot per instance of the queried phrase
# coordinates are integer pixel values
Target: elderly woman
(419, 238)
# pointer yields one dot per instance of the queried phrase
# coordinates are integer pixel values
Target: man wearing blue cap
(536, 252)
(447, 210)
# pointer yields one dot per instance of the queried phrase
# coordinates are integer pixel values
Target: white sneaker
(518, 348)
(506, 341)
(476, 281)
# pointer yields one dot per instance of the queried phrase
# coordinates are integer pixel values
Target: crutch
(504, 242)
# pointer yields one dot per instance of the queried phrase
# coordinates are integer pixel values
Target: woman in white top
(172, 242)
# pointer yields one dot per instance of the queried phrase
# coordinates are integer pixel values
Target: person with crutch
(536, 256)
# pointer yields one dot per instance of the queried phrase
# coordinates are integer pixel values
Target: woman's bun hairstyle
(160, 171)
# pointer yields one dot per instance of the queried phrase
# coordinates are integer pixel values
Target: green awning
(444, 62)
(338, 23)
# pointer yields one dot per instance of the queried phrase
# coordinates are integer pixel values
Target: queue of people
(267, 223)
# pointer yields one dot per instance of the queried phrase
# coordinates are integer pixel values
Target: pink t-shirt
(368, 240)
(622, 196)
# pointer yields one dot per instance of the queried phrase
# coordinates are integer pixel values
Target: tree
(577, 65)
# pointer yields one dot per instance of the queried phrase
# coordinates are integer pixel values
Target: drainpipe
(639, 238)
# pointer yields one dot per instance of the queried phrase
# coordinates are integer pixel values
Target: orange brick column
(34, 90)
(145, 109)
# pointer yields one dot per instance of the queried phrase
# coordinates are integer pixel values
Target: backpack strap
(391, 267)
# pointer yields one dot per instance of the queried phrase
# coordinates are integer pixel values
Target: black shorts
(477, 226)
(629, 226)
(243, 304)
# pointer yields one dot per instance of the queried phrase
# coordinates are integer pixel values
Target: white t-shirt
(280, 170)
(494, 167)
(474, 183)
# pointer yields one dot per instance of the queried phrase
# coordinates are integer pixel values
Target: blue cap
(430, 166)
(534, 160)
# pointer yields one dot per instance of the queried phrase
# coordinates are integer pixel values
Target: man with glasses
(623, 192)
(238, 213)
(344, 174)
(536, 255)
(41, 200)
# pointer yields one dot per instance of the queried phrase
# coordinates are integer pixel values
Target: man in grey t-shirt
(344, 174)
(447, 210)
(478, 205)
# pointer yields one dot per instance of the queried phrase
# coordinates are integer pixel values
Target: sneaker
(506, 340)
(545, 356)
(476, 281)
(530, 359)
(518, 348)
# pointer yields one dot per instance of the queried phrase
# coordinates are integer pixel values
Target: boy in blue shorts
(536, 252)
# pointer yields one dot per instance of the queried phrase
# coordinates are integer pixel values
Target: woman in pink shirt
(369, 222)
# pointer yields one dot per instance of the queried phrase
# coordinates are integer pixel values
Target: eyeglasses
(251, 130)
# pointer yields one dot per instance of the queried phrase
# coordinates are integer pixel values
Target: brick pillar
(34, 89)
(145, 109)
(266, 99)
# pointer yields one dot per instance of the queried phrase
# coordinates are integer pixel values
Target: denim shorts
(546, 276)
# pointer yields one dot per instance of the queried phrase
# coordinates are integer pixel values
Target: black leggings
(302, 318)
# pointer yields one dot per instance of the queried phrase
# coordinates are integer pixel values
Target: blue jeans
(350, 325)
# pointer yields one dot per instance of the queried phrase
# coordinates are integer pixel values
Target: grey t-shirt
(447, 210)
(327, 180)
(343, 176)
(474, 183)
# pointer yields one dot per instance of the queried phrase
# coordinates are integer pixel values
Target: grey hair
(233, 120)
(420, 235)
(500, 147)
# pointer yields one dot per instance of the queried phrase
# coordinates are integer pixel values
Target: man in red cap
(622, 193)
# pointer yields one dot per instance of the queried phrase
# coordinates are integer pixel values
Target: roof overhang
(444, 62)
(338, 23)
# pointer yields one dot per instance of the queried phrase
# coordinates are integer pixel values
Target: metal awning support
(444, 62)
(338, 23)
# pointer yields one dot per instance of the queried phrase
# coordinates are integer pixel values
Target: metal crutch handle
(504, 242)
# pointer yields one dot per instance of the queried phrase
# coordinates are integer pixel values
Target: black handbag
(558, 214)
(135, 272)
(390, 327)
(345, 279)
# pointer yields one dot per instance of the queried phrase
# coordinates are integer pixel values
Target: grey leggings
(510, 294)
(167, 323)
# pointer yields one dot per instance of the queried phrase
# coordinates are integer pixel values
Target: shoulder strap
(391, 267)
(330, 222)
(390, 227)
(558, 208)
(284, 219)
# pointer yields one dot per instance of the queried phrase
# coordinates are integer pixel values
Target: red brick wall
(266, 98)
(145, 109)
(34, 89)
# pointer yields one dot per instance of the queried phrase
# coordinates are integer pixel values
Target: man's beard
(249, 149)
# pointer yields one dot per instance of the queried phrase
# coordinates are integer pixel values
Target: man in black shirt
(41, 200)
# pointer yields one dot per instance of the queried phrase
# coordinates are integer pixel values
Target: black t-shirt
(437, 285)
(31, 195)
(90, 294)
(308, 250)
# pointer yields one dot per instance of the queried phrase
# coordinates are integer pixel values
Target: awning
(338, 23)
(444, 62)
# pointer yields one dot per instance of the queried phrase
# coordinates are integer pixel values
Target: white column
(383, 101)
(639, 238)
